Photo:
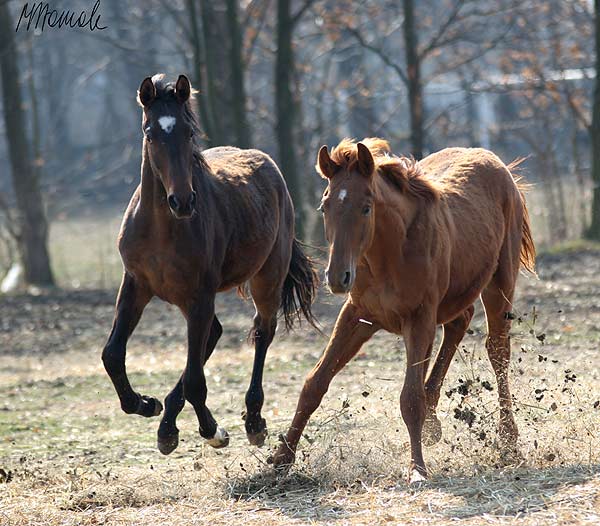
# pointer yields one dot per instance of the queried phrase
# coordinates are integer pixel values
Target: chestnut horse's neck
(395, 214)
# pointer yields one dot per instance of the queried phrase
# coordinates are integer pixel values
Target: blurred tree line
(286, 76)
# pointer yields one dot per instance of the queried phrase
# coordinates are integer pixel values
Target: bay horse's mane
(165, 97)
(405, 173)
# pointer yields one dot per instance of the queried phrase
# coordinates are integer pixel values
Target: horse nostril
(193, 200)
(346, 280)
(173, 203)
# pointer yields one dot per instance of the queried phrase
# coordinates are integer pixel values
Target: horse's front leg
(133, 297)
(200, 318)
(349, 334)
(419, 333)
(168, 434)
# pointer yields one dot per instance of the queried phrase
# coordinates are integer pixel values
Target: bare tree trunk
(219, 89)
(204, 102)
(594, 229)
(240, 119)
(286, 109)
(33, 236)
(413, 74)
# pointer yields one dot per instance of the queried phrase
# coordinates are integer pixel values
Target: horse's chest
(386, 307)
(169, 275)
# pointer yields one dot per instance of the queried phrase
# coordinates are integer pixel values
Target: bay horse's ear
(183, 89)
(325, 165)
(147, 92)
(366, 164)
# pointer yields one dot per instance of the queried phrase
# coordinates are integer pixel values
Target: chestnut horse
(414, 244)
(201, 223)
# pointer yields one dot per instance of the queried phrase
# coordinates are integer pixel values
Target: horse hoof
(257, 439)
(149, 406)
(432, 430)
(283, 459)
(166, 445)
(221, 439)
(510, 456)
(416, 476)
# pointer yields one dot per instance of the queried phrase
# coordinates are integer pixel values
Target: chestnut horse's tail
(527, 255)
(299, 289)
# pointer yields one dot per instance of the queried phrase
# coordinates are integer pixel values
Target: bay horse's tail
(299, 289)
(527, 254)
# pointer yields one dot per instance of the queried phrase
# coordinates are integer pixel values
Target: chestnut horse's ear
(183, 89)
(325, 165)
(147, 92)
(366, 164)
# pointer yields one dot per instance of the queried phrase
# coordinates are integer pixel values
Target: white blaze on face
(167, 123)
(342, 195)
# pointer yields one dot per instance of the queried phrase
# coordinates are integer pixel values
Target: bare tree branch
(307, 5)
(435, 40)
(380, 53)
(262, 18)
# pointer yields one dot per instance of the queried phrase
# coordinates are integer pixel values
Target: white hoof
(416, 477)
(221, 438)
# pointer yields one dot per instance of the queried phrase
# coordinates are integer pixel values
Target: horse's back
(463, 170)
(482, 199)
(474, 182)
(243, 166)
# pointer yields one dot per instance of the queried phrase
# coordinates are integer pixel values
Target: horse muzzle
(182, 208)
(340, 282)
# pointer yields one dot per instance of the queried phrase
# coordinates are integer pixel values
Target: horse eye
(192, 133)
(366, 210)
(148, 134)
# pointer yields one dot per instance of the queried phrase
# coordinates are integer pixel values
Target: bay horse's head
(347, 207)
(169, 125)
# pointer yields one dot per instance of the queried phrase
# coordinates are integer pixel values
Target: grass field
(69, 456)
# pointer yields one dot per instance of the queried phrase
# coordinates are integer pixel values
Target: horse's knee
(113, 359)
(461, 323)
(412, 404)
(175, 401)
(194, 392)
(264, 327)
(314, 388)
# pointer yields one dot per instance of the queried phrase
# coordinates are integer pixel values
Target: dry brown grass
(72, 457)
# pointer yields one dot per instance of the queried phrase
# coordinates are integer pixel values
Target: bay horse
(200, 223)
(414, 244)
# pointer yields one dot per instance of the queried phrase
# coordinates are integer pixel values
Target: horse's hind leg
(132, 299)
(168, 434)
(266, 288)
(454, 331)
(497, 300)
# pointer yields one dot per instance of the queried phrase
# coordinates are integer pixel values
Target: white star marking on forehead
(342, 195)
(167, 123)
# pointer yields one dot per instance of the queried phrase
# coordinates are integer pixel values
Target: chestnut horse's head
(169, 126)
(347, 207)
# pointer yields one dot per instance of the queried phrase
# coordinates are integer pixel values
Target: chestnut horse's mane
(404, 173)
